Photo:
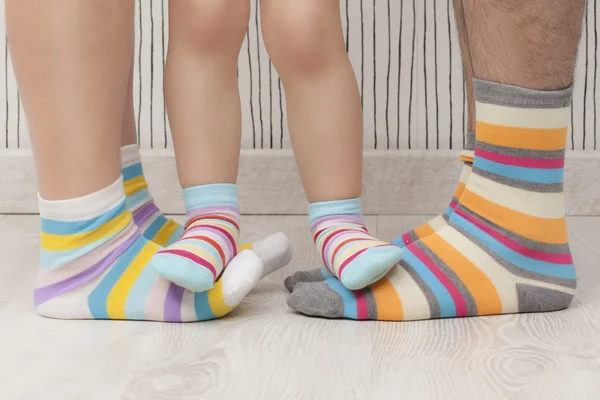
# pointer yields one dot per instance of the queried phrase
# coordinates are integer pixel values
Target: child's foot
(505, 248)
(146, 215)
(95, 264)
(356, 258)
(209, 242)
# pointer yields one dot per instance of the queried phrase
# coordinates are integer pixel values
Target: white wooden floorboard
(265, 351)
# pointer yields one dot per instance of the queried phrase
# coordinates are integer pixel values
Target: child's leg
(201, 88)
(306, 44)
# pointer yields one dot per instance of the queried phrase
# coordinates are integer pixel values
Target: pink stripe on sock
(349, 260)
(550, 163)
(453, 204)
(406, 239)
(225, 235)
(362, 311)
(519, 248)
(459, 301)
(192, 257)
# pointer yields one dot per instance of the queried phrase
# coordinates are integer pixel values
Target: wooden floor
(265, 351)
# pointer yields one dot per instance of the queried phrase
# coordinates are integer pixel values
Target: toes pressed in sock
(183, 271)
(314, 275)
(316, 299)
(370, 266)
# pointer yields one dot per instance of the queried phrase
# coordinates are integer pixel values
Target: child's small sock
(505, 247)
(356, 258)
(146, 215)
(94, 263)
(466, 156)
(435, 224)
(210, 239)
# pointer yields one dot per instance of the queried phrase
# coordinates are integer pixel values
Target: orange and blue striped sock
(347, 249)
(505, 247)
(94, 263)
(209, 242)
(146, 215)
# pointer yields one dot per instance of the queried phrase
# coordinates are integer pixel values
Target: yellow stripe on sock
(460, 188)
(117, 298)
(389, 306)
(164, 234)
(197, 250)
(481, 288)
(244, 246)
(217, 302)
(522, 138)
(545, 230)
(135, 185)
(54, 242)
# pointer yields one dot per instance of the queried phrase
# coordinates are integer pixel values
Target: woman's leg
(201, 88)
(72, 67)
(305, 42)
(147, 216)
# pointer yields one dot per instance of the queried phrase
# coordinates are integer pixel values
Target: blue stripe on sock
(133, 171)
(449, 211)
(72, 227)
(136, 199)
(519, 260)
(536, 175)
(155, 226)
(177, 234)
(336, 207)
(97, 299)
(136, 299)
(348, 297)
(202, 306)
(445, 301)
(218, 194)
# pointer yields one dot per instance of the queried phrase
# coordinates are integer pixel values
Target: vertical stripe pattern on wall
(407, 62)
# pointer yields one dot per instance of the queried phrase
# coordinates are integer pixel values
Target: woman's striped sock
(347, 249)
(505, 247)
(146, 215)
(209, 242)
(94, 263)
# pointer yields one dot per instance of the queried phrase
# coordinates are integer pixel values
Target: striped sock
(466, 156)
(505, 247)
(210, 239)
(146, 215)
(435, 224)
(356, 258)
(94, 263)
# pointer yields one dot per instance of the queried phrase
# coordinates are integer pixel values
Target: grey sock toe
(314, 275)
(317, 299)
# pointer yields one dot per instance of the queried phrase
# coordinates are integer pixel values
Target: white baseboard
(395, 182)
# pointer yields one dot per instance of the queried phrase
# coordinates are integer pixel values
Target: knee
(209, 25)
(300, 40)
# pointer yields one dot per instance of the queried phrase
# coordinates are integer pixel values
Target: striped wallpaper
(407, 62)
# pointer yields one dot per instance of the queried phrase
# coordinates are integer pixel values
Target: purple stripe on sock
(144, 212)
(173, 303)
(338, 218)
(222, 233)
(43, 294)
(195, 212)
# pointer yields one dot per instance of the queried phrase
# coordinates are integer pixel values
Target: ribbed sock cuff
(83, 208)
(218, 194)
(515, 96)
(336, 207)
(130, 155)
